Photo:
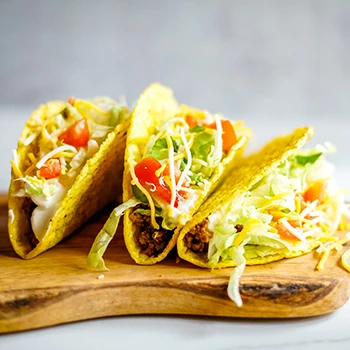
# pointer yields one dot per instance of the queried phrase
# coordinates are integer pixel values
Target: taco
(174, 159)
(278, 203)
(68, 165)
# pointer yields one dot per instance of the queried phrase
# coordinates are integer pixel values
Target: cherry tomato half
(51, 169)
(77, 135)
(316, 191)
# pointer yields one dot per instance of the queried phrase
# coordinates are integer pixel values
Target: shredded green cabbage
(276, 192)
(95, 258)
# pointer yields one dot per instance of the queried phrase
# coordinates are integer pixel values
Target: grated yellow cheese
(291, 217)
(328, 239)
(81, 105)
(161, 169)
(65, 154)
(274, 198)
(136, 182)
(345, 260)
(30, 169)
(239, 239)
(16, 169)
(324, 227)
(171, 173)
(323, 260)
(189, 160)
(297, 205)
(32, 158)
(327, 251)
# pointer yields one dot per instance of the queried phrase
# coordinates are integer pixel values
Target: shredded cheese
(292, 230)
(324, 226)
(190, 190)
(54, 152)
(15, 156)
(15, 165)
(276, 197)
(217, 153)
(80, 105)
(161, 169)
(32, 158)
(328, 239)
(343, 225)
(30, 138)
(166, 161)
(45, 134)
(345, 260)
(30, 169)
(336, 245)
(171, 172)
(241, 235)
(309, 208)
(16, 169)
(65, 154)
(189, 160)
(136, 182)
(280, 215)
(297, 202)
(323, 260)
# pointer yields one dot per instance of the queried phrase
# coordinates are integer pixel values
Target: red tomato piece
(192, 121)
(284, 233)
(229, 137)
(77, 135)
(145, 172)
(51, 169)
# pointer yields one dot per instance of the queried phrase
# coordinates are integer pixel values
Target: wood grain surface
(57, 288)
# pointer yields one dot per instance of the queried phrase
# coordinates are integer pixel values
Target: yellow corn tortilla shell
(155, 106)
(247, 173)
(98, 184)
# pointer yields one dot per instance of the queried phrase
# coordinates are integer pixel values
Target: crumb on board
(177, 260)
(101, 277)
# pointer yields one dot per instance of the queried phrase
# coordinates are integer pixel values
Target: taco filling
(176, 168)
(169, 173)
(296, 206)
(60, 146)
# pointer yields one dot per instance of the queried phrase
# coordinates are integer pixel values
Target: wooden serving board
(56, 287)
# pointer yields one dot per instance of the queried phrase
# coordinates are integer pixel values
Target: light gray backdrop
(250, 56)
(276, 64)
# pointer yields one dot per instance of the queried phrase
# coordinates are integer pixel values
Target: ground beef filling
(198, 238)
(152, 241)
(28, 206)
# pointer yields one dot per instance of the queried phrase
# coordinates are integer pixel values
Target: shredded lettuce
(139, 195)
(233, 285)
(197, 128)
(202, 145)
(160, 148)
(310, 159)
(275, 193)
(95, 258)
(116, 114)
(38, 187)
(197, 178)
